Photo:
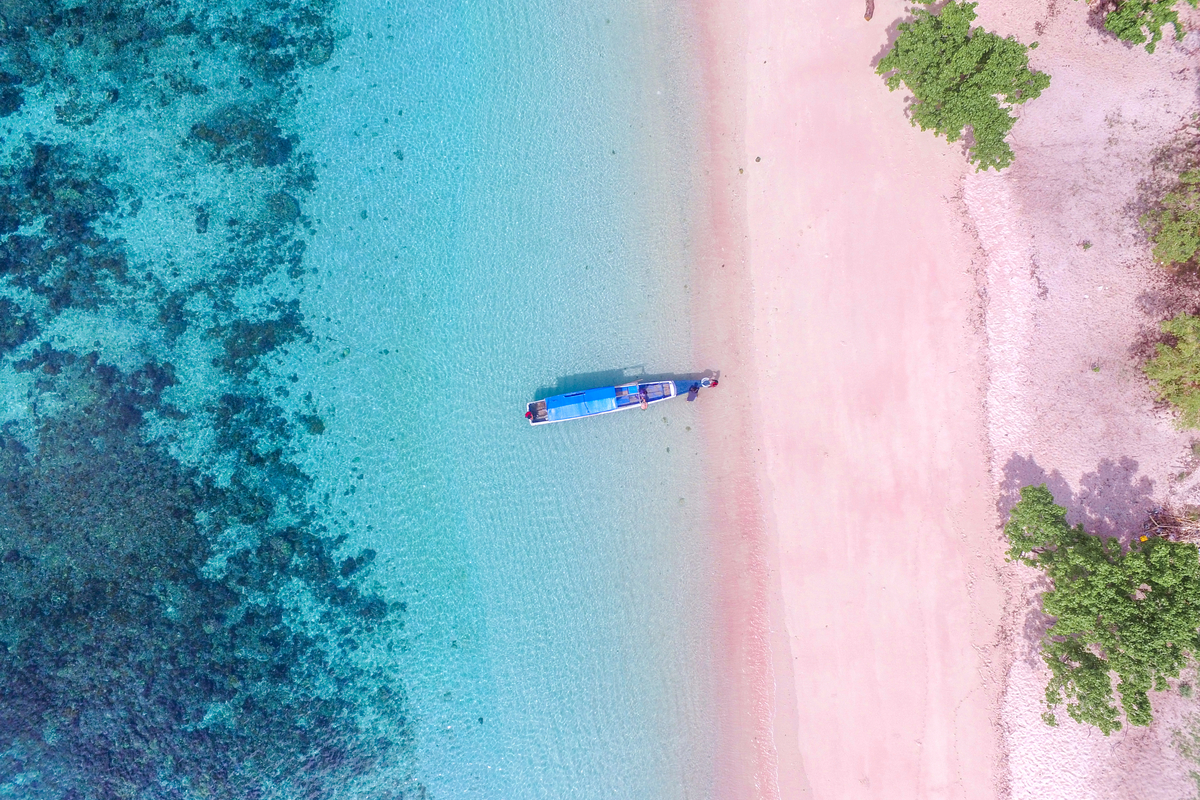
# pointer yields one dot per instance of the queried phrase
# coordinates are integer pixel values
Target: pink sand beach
(899, 337)
(869, 359)
(859, 525)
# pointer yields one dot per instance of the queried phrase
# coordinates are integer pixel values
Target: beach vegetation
(1126, 613)
(1174, 224)
(965, 81)
(1142, 21)
(1175, 368)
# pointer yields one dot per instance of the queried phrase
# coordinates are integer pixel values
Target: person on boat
(643, 398)
(528, 415)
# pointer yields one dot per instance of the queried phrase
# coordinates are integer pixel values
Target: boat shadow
(615, 377)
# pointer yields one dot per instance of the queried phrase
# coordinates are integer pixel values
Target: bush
(1139, 21)
(1174, 226)
(1175, 369)
(1133, 613)
(962, 78)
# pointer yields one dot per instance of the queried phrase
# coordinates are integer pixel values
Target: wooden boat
(593, 402)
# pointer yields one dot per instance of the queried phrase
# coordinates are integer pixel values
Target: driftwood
(1172, 526)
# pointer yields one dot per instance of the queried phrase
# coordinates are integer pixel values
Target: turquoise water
(511, 248)
(279, 280)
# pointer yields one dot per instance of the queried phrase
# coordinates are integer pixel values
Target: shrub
(962, 78)
(1174, 226)
(1133, 613)
(1175, 369)
(1139, 21)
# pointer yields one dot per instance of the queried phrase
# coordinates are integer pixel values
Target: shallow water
(414, 219)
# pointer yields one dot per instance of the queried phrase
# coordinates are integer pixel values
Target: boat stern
(535, 412)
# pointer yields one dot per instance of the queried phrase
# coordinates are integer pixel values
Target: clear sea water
(500, 210)
(558, 573)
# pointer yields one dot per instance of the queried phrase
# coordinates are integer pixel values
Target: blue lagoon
(276, 286)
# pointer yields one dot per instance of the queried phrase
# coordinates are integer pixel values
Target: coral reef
(127, 658)
(54, 188)
(171, 625)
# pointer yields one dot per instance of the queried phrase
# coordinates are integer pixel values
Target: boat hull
(594, 402)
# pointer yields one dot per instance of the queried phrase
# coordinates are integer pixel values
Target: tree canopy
(1174, 224)
(1175, 369)
(962, 78)
(1142, 21)
(1133, 613)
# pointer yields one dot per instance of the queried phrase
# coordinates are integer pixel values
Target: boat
(593, 402)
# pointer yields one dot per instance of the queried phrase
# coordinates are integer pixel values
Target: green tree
(1175, 369)
(1139, 21)
(1174, 226)
(1133, 613)
(962, 77)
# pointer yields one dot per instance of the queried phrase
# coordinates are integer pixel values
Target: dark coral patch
(150, 643)
(54, 189)
(238, 135)
(173, 318)
(16, 326)
(283, 207)
(247, 341)
(11, 96)
(275, 49)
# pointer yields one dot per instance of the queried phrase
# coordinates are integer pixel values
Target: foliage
(962, 77)
(1131, 612)
(1175, 368)
(1132, 20)
(1174, 226)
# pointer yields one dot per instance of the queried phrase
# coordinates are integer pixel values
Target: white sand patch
(1012, 292)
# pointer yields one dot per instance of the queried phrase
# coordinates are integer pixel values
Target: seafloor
(175, 619)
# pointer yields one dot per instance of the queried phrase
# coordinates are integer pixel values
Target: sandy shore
(870, 361)
(756, 709)
(904, 344)
(863, 375)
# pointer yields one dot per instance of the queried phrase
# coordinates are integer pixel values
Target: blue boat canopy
(580, 404)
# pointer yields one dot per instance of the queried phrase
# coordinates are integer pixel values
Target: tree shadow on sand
(892, 33)
(1112, 500)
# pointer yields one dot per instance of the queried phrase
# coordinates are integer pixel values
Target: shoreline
(755, 709)
(863, 597)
